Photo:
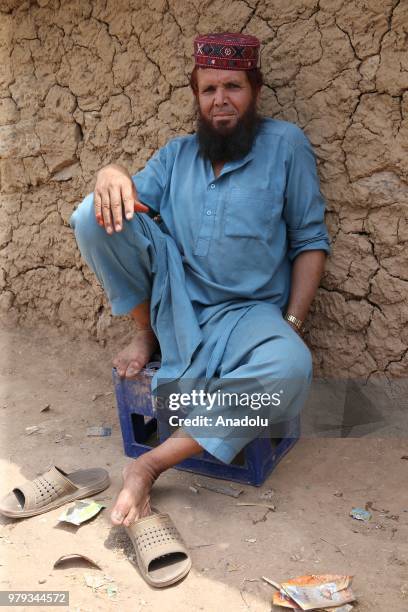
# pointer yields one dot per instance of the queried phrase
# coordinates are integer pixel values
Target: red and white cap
(226, 51)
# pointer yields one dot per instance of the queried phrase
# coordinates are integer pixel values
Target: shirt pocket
(248, 213)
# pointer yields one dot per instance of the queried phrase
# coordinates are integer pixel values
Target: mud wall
(86, 83)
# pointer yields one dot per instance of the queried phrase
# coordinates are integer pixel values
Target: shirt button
(212, 186)
(208, 212)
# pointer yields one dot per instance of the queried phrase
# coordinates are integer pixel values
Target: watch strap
(294, 321)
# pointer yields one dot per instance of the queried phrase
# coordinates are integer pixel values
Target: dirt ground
(232, 546)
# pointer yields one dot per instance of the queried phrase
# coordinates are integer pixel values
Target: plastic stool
(138, 423)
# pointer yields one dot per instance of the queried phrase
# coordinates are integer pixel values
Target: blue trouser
(247, 347)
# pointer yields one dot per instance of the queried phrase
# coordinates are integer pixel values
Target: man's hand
(115, 194)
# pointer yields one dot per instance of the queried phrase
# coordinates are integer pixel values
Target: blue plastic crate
(141, 430)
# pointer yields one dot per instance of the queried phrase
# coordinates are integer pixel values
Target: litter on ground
(99, 432)
(360, 514)
(314, 592)
(231, 491)
(81, 512)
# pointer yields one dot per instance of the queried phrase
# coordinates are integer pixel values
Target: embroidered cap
(226, 51)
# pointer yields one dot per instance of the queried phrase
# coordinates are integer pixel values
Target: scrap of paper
(315, 592)
(81, 512)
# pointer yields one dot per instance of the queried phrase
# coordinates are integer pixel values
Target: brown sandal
(161, 554)
(51, 490)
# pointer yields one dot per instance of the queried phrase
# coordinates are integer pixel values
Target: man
(241, 244)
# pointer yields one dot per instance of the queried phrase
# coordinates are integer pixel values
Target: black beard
(229, 144)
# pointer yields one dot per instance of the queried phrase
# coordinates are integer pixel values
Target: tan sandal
(161, 554)
(51, 490)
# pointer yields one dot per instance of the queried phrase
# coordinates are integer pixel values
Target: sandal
(51, 490)
(161, 554)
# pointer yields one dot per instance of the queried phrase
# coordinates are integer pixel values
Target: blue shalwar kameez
(217, 268)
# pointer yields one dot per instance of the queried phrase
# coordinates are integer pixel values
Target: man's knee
(296, 361)
(83, 222)
(90, 235)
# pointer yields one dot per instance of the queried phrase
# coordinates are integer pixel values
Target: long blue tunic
(238, 233)
(218, 267)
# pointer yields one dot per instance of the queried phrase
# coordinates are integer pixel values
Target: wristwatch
(295, 322)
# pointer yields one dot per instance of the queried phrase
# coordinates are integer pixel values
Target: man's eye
(208, 90)
(233, 86)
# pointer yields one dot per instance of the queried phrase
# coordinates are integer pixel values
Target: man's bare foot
(136, 354)
(133, 501)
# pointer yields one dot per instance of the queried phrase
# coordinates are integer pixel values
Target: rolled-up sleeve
(304, 204)
(151, 182)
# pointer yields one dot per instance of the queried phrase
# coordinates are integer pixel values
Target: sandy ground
(315, 487)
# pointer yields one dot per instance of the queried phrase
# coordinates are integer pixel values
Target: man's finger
(128, 199)
(138, 206)
(98, 208)
(116, 207)
(106, 212)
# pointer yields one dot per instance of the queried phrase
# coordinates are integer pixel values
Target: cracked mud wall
(86, 83)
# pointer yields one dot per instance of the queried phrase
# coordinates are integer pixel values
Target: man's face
(223, 97)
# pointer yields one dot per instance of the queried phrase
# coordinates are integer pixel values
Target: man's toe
(117, 517)
(120, 364)
(121, 508)
(133, 368)
(130, 518)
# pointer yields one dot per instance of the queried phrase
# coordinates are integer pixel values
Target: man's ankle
(149, 467)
